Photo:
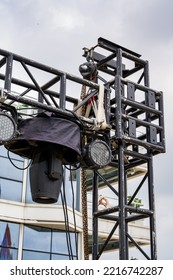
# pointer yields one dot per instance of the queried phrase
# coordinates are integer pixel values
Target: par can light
(98, 154)
(7, 128)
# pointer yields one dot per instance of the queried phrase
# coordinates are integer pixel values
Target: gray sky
(55, 31)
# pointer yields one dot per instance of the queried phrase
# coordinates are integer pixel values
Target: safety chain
(84, 191)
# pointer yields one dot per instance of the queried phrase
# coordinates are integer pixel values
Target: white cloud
(164, 226)
(66, 19)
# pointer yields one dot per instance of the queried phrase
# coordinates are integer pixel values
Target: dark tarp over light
(41, 131)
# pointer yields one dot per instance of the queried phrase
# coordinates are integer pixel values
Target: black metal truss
(136, 118)
(134, 113)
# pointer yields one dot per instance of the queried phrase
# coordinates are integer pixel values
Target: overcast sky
(55, 31)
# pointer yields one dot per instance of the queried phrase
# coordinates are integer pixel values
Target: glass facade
(47, 244)
(28, 242)
(30, 231)
(11, 177)
(9, 241)
(11, 181)
(39, 243)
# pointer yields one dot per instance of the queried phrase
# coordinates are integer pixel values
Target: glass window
(37, 238)
(59, 242)
(10, 176)
(4, 153)
(28, 190)
(46, 244)
(9, 235)
(59, 257)
(10, 190)
(33, 255)
(9, 171)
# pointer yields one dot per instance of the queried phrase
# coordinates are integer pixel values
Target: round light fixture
(7, 128)
(98, 154)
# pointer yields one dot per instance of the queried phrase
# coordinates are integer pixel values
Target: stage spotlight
(97, 154)
(7, 128)
(46, 176)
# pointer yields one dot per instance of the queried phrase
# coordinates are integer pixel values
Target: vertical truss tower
(135, 114)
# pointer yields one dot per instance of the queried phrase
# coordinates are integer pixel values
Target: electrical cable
(20, 168)
(68, 237)
(74, 216)
(72, 169)
(66, 227)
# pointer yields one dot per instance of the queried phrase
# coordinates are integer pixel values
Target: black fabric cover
(41, 131)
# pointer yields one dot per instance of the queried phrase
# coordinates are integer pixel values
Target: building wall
(41, 231)
(29, 230)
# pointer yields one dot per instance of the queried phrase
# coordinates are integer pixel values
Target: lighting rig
(118, 122)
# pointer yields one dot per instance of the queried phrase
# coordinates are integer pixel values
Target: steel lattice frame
(126, 114)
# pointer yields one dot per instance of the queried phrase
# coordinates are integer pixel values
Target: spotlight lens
(7, 128)
(100, 153)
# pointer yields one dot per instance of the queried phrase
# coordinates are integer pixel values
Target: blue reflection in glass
(59, 257)
(9, 171)
(37, 238)
(33, 255)
(43, 244)
(59, 242)
(9, 235)
(10, 190)
(4, 153)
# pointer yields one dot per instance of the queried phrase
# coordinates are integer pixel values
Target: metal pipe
(141, 106)
(106, 211)
(141, 122)
(142, 143)
(8, 72)
(140, 87)
(95, 219)
(62, 92)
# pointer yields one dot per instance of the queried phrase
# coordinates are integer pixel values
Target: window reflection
(9, 235)
(10, 177)
(4, 153)
(37, 238)
(38, 243)
(59, 242)
(46, 244)
(33, 255)
(59, 257)
(8, 170)
(10, 190)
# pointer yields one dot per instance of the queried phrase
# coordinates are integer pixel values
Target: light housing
(46, 175)
(7, 127)
(97, 154)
